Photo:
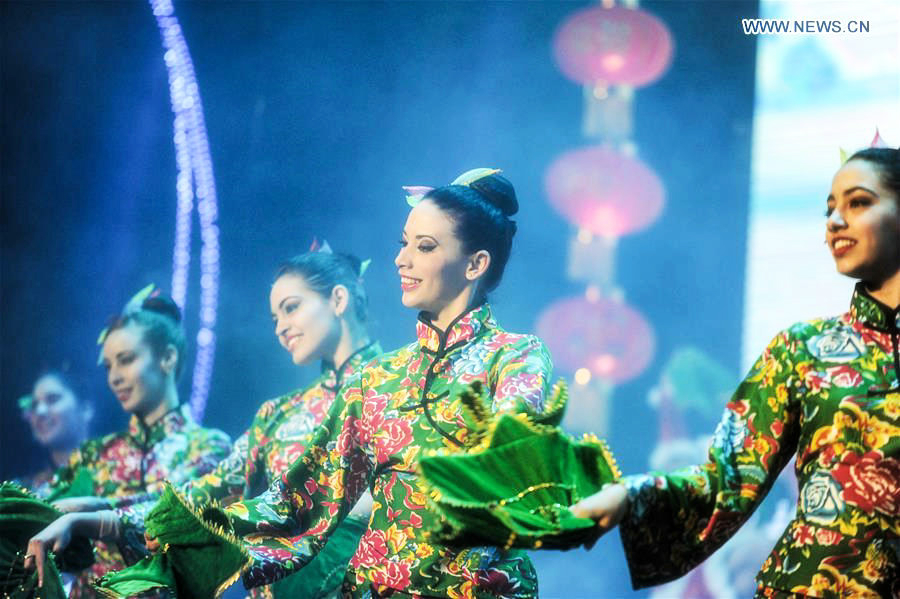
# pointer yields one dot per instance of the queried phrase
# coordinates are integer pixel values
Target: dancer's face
(136, 376)
(431, 262)
(863, 226)
(55, 415)
(306, 323)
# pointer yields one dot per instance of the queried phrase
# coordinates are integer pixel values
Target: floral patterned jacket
(827, 391)
(129, 464)
(275, 440)
(400, 405)
(278, 435)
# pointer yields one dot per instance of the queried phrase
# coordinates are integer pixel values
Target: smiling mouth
(292, 341)
(842, 246)
(44, 426)
(407, 283)
(123, 394)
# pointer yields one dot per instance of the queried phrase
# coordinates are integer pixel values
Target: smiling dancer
(59, 418)
(453, 250)
(319, 310)
(143, 354)
(826, 391)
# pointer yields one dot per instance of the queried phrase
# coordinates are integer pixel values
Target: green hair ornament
(877, 142)
(133, 305)
(323, 248)
(26, 402)
(415, 193)
(470, 176)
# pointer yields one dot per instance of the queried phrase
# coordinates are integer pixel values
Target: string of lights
(194, 180)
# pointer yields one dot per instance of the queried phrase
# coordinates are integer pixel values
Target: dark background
(317, 113)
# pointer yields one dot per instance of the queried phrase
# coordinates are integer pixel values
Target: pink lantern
(603, 191)
(607, 337)
(612, 45)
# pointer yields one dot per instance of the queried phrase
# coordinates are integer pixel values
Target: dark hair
(74, 384)
(322, 271)
(160, 319)
(888, 162)
(481, 212)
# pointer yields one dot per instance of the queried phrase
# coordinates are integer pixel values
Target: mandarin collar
(172, 421)
(464, 328)
(332, 376)
(869, 311)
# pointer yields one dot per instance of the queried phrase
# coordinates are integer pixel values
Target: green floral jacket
(277, 437)
(827, 391)
(400, 405)
(275, 440)
(130, 464)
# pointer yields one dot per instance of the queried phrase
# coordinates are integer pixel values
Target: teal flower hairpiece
(26, 402)
(415, 193)
(470, 176)
(364, 266)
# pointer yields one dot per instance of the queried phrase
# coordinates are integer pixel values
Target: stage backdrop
(317, 113)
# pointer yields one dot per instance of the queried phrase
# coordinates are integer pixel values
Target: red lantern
(612, 45)
(603, 191)
(605, 336)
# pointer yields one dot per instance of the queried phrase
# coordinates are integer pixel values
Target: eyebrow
(118, 356)
(281, 303)
(420, 236)
(861, 188)
(847, 192)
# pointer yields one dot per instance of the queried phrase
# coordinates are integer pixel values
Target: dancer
(59, 418)
(827, 391)
(143, 354)
(453, 250)
(319, 308)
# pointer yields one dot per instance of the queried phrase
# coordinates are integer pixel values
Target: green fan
(22, 515)
(200, 556)
(513, 486)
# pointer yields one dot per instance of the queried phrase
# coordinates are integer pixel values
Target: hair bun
(498, 191)
(352, 261)
(163, 304)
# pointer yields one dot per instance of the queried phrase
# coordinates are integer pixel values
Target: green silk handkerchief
(22, 515)
(513, 485)
(200, 558)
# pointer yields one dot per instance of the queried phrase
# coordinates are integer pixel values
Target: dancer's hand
(55, 537)
(607, 508)
(103, 525)
(81, 504)
(151, 543)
